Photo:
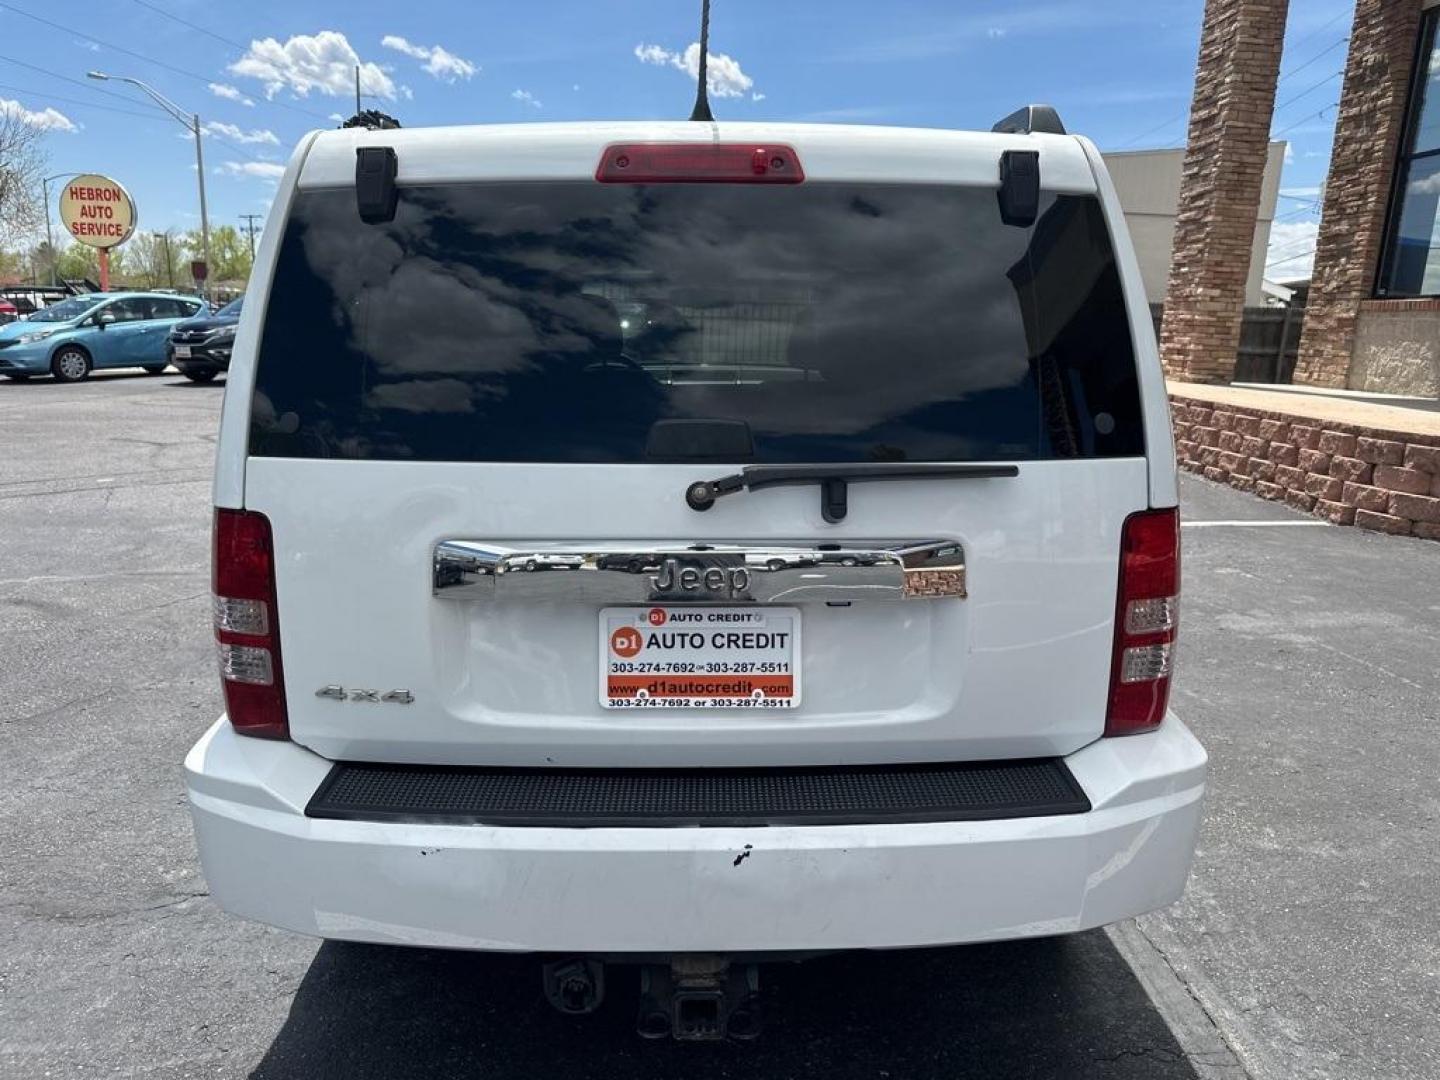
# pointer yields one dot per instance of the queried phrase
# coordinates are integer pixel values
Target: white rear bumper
(686, 889)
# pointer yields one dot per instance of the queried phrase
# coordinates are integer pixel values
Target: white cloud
(407, 93)
(1289, 154)
(236, 134)
(994, 32)
(1428, 185)
(337, 118)
(324, 62)
(45, 119)
(723, 75)
(757, 96)
(439, 61)
(229, 93)
(1292, 249)
(265, 170)
(525, 98)
(400, 44)
(90, 46)
(576, 87)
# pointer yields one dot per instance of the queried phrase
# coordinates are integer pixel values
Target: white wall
(1148, 182)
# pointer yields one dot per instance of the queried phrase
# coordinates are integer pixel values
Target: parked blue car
(98, 330)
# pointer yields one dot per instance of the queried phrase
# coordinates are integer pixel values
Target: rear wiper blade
(833, 480)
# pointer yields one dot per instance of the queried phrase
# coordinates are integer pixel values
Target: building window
(1411, 266)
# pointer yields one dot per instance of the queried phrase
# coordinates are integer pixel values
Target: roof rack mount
(1031, 120)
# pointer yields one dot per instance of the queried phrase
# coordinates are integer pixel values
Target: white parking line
(1255, 524)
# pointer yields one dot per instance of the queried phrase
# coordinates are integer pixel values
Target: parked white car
(831, 605)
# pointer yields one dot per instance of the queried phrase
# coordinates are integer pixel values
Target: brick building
(1373, 319)
(1372, 322)
(1221, 185)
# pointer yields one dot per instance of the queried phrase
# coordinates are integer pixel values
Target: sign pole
(104, 269)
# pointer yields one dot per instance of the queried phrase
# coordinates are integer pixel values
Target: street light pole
(191, 121)
(49, 239)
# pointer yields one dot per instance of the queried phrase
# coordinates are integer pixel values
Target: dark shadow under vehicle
(1058, 1007)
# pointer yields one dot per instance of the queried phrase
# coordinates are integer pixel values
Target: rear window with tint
(561, 322)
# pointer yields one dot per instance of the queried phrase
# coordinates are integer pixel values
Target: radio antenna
(702, 97)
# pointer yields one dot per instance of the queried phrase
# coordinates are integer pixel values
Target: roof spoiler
(1031, 120)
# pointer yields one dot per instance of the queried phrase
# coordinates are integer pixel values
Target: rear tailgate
(1018, 668)
(497, 365)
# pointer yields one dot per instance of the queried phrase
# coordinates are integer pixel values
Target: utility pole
(169, 266)
(357, 89)
(204, 216)
(250, 229)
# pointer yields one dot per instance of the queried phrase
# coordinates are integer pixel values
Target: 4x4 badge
(341, 693)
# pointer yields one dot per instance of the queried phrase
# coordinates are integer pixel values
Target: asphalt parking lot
(1305, 947)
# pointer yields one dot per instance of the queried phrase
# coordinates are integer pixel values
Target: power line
(207, 80)
(1151, 131)
(1308, 90)
(1290, 258)
(128, 99)
(1296, 70)
(107, 44)
(1292, 246)
(239, 150)
(1304, 120)
(47, 98)
(193, 26)
(1344, 13)
(1280, 261)
(1278, 82)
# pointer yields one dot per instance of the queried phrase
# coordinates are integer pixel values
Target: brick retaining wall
(1345, 473)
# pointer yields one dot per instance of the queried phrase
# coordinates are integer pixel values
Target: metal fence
(1269, 342)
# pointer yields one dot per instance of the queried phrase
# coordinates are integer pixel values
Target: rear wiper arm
(833, 480)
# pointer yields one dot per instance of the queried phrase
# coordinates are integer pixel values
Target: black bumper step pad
(594, 798)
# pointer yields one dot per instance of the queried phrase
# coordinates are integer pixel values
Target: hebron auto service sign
(97, 211)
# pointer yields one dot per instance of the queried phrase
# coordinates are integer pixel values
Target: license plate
(686, 657)
(182, 352)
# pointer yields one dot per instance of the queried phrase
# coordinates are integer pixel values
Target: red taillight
(1146, 619)
(247, 632)
(699, 163)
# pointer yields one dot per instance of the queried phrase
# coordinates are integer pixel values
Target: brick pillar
(1352, 224)
(1220, 188)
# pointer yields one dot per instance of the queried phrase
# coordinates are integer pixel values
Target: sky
(262, 73)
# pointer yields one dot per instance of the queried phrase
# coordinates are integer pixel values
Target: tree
(229, 253)
(12, 265)
(151, 260)
(42, 257)
(82, 261)
(22, 165)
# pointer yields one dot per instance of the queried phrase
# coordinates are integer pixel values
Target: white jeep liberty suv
(692, 544)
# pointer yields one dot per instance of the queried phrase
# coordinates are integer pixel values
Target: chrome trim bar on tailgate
(643, 573)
